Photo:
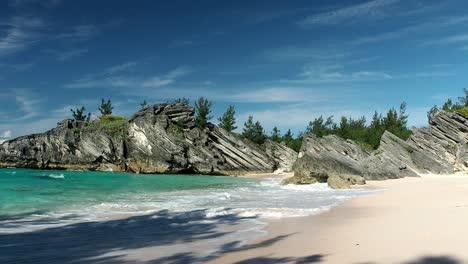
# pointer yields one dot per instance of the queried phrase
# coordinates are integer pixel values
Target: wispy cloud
(20, 67)
(421, 28)
(303, 53)
(367, 9)
(336, 73)
(21, 33)
(80, 33)
(67, 54)
(112, 77)
(28, 102)
(454, 39)
(25, 3)
(277, 94)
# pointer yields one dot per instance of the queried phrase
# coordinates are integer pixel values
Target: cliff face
(440, 148)
(159, 139)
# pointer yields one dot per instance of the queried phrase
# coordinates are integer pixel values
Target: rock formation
(440, 148)
(283, 156)
(159, 139)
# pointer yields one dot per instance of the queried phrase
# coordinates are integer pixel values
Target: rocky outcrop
(440, 148)
(283, 156)
(159, 139)
(64, 147)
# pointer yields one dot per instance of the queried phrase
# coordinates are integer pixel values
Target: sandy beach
(415, 220)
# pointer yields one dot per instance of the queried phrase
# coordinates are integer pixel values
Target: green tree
(432, 113)
(448, 105)
(144, 105)
(319, 127)
(276, 135)
(228, 120)
(464, 99)
(183, 100)
(202, 111)
(106, 107)
(253, 131)
(80, 115)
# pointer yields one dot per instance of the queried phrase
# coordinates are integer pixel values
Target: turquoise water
(24, 191)
(46, 212)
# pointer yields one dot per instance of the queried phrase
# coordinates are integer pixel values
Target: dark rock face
(159, 139)
(440, 148)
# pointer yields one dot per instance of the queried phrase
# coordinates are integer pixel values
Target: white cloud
(6, 134)
(276, 94)
(108, 78)
(21, 33)
(120, 67)
(335, 73)
(27, 102)
(368, 9)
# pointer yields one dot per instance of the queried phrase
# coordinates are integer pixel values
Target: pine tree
(228, 120)
(79, 114)
(448, 105)
(253, 131)
(202, 111)
(432, 113)
(106, 107)
(276, 135)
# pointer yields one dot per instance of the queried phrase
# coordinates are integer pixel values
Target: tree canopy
(106, 107)
(253, 131)
(357, 129)
(202, 111)
(449, 106)
(228, 120)
(80, 115)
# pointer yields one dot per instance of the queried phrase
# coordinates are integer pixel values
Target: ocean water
(230, 208)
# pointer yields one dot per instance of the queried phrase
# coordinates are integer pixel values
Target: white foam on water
(251, 202)
(56, 176)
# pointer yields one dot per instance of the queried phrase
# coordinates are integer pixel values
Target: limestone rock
(283, 156)
(159, 139)
(344, 181)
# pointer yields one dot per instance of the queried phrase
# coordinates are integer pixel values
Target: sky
(283, 62)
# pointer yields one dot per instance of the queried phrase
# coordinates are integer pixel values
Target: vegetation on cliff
(449, 106)
(368, 136)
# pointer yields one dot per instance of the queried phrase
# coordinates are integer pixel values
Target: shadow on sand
(108, 241)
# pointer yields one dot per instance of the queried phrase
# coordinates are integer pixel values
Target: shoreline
(414, 220)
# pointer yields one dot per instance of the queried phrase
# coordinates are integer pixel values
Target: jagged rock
(64, 147)
(392, 160)
(158, 139)
(440, 148)
(283, 156)
(331, 155)
(444, 141)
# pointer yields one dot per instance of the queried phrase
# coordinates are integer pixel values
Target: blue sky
(284, 62)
